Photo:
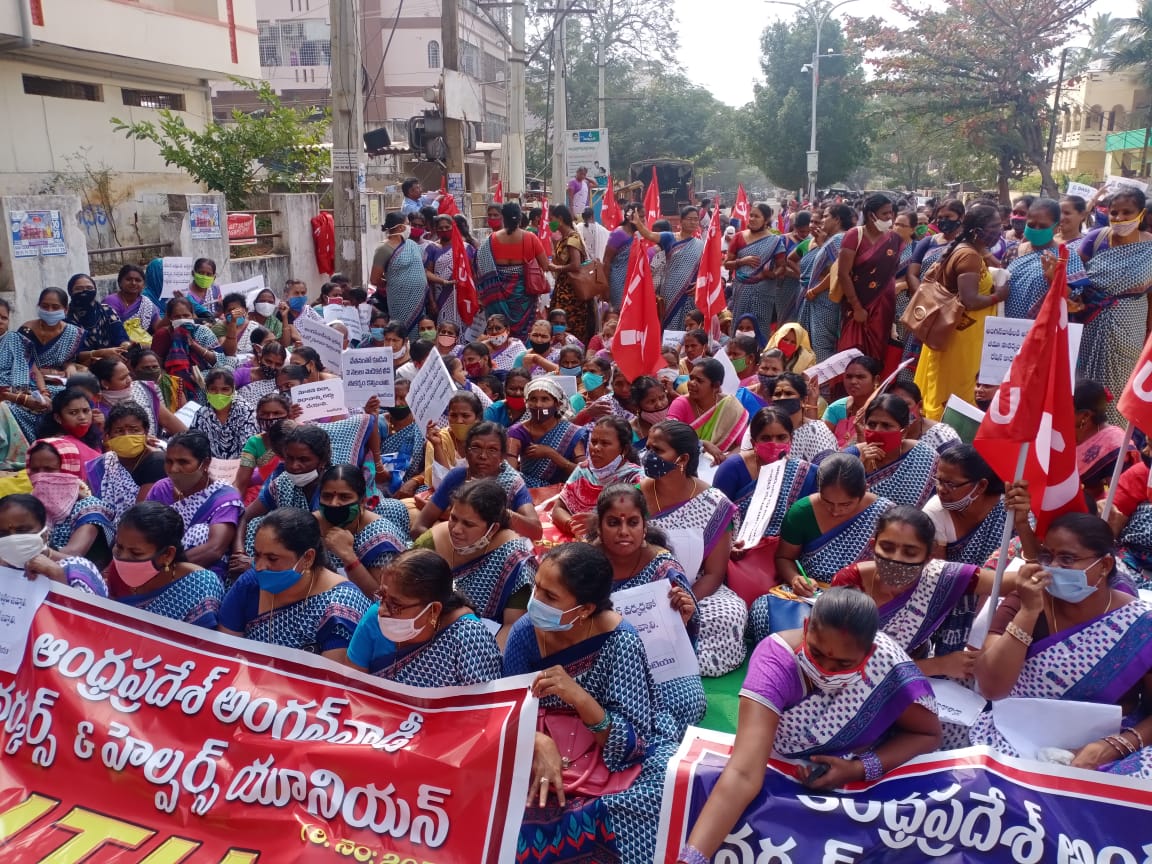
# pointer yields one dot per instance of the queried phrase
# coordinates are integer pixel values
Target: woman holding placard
(227, 422)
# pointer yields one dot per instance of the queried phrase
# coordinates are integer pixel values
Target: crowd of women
(490, 542)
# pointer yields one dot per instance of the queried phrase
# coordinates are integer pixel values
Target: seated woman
(504, 348)
(260, 458)
(937, 435)
(117, 387)
(149, 570)
(210, 509)
(792, 341)
(78, 522)
(402, 447)
(125, 474)
(289, 598)
(23, 522)
(542, 356)
(1097, 441)
(263, 313)
(811, 439)
(447, 339)
(697, 520)
(492, 565)
(355, 538)
(227, 421)
(235, 331)
(898, 469)
(421, 631)
(651, 401)
(637, 553)
(70, 419)
(594, 392)
(696, 346)
(512, 409)
(145, 366)
(476, 358)
(611, 460)
(104, 333)
(745, 356)
(591, 678)
(1068, 633)
(259, 380)
(445, 447)
(131, 304)
(52, 342)
(547, 447)
(185, 346)
(718, 420)
(969, 507)
(485, 450)
(836, 689)
(861, 378)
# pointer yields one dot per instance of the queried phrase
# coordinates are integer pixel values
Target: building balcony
(1083, 139)
(1133, 139)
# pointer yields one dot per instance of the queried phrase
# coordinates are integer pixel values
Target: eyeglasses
(1046, 558)
(391, 607)
(949, 486)
(490, 452)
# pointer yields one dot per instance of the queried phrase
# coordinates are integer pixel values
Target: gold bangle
(1018, 634)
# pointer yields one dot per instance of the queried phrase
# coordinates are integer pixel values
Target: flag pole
(1006, 537)
(1117, 471)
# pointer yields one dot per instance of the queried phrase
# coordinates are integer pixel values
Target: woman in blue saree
(819, 315)
(592, 679)
(53, 343)
(398, 270)
(439, 262)
(1085, 642)
(752, 256)
(898, 469)
(682, 252)
(840, 694)
(547, 447)
(1028, 283)
(502, 272)
(617, 252)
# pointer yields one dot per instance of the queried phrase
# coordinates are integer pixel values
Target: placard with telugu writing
(666, 643)
(177, 276)
(319, 399)
(430, 391)
(1002, 340)
(368, 372)
(329, 343)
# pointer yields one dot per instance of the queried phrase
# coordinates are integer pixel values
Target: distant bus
(674, 176)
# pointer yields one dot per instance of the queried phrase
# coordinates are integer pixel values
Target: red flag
(610, 213)
(498, 198)
(467, 299)
(710, 278)
(781, 223)
(543, 226)
(636, 345)
(740, 208)
(1034, 407)
(1136, 400)
(652, 200)
(447, 204)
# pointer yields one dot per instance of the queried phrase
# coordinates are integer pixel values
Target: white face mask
(400, 630)
(124, 395)
(499, 340)
(482, 543)
(404, 232)
(962, 504)
(182, 322)
(265, 309)
(826, 682)
(884, 224)
(19, 549)
(608, 470)
(1123, 229)
(302, 480)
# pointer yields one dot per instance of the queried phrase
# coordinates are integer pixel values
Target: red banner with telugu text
(132, 740)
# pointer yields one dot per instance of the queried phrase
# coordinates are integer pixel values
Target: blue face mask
(547, 618)
(297, 304)
(275, 581)
(656, 466)
(574, 371)
(54, 316)
(1069, 584)
(557, 329)
(377, 333)
(592, 381)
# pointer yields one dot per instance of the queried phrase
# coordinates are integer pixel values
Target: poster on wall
(587, 148)
(204, 220)
(37, 232)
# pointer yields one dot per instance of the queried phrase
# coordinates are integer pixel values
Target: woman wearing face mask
(591, 678)
(1014, 232)
(117, 387)
(718, 419)
(485, 450)
(602, 340)
(235, 329)
(637, 552)
(546, 448)
(125, 474)
(502, 273)
(355, 538)
(227, 422)
(186, 347)
(262, 377)
(742, 352)
(23, 528)
(70, 419)
(1028, 283)
(263, 313)
(505, 351)
(798, 398)
(289, 309)
(104, 333)
(447, 337)
(898, 469)
(491, 564)
(963, 270)
(652, 403)
(949, 221)
(561, 334)
(819, 315)
(837, 688)
(439, 262)
(52, 342)
(421, 631)
(866, 278)
(595, 399)
(78, 522)
(793, 342)
(210, 509)
(398, 273)
(1068, 633)
(939, 436)
(149, 570)
(567, 255)
(611, 460)
(288, 597)
(1118, 266)
(513, 408)
(446, 444)
(260, 458)
(698, 520)
(131, 304)
(542, 355)
(146, 366)
(477, 360)
(204, 293)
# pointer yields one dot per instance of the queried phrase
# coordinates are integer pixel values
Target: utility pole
(560, 110)
(453, 128)
(600, 64)
(512, 150)
(1051, 151)
(347, 142)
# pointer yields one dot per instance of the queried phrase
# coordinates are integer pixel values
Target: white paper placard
(349, 316)
(956, 703)
(1082, 189)
(319, 399)
(430, 391)
(20, 597)
(731, 376)
(1067, 724)
(687, 546)
(250, 288)
(224, 470)
(833, 367)
(675, 338)
(567, 384)
(1003, 338)
(368, 372)
(329, 343)
(1112, 183)
(666, 642)
(187, 413)
(177, 276)
(763, 503)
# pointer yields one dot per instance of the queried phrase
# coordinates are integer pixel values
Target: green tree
(275, 146)
(980, 68)
(776, 125)
(1101, 33)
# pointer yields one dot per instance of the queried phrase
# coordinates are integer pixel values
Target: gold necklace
(1056, 625)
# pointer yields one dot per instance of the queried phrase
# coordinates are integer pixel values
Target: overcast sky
(720, 43)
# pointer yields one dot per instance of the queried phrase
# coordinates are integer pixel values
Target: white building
(67, 67)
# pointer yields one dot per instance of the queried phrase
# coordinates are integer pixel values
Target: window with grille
(494, 127)
(469, 59)
(151, 99)
(295, 43)
(433, 54)
(34, 85)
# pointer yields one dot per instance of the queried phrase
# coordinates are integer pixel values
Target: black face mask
(269, 373)
(339, 514)
(947, 226)
(791, 407)
(767, 383)
(399, 412)
(148, 374)
(541, 347)
(1018, 225)
(984, 404)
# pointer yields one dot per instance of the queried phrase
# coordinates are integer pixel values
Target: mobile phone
(818, 770)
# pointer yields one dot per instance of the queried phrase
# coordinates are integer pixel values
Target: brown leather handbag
(935, 311)
(590, 282)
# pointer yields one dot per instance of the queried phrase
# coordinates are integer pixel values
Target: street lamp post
(818, 19)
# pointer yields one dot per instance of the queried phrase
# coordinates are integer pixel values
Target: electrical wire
(395, 22)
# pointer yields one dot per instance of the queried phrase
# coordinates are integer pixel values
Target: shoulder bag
(535, 283)
(935, 312)
(591, 282)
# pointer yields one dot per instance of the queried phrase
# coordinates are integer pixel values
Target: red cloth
(1132, 489)
(710, 275)
(636, 345)
(610, 213)
(324, 241)
(467, 299)
(740, 208)
(652, 200)
(1136, 401)
(518, 250)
